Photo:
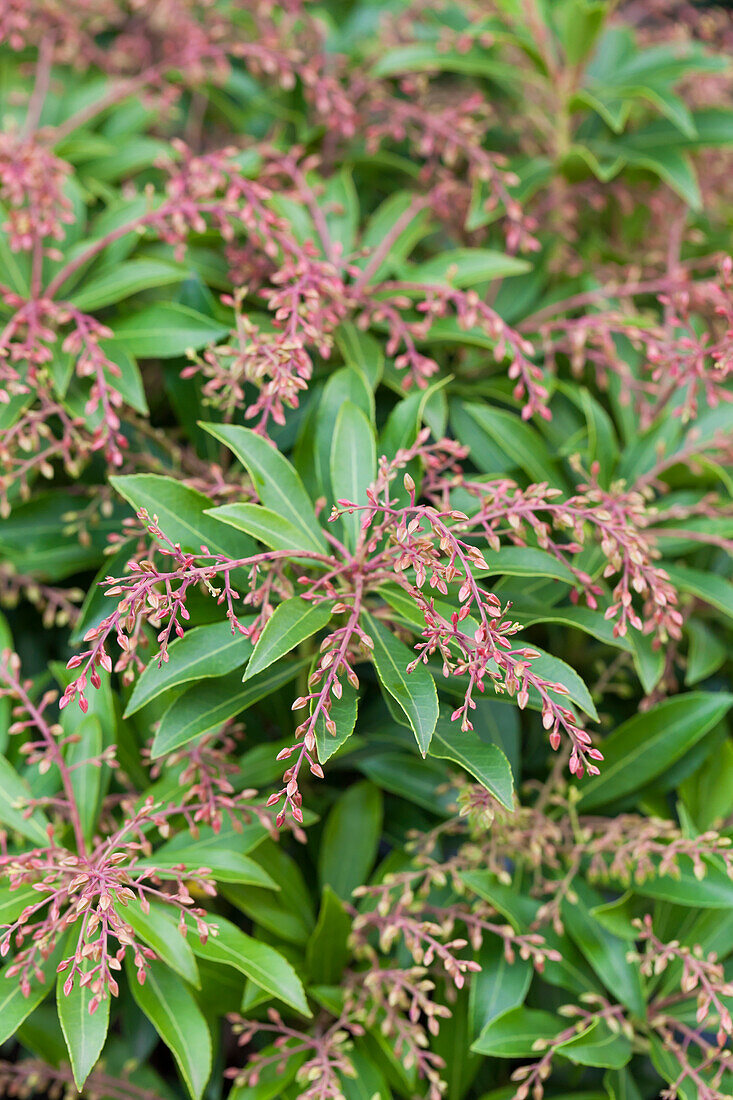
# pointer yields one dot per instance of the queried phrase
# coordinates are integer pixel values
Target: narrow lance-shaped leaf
(291, 623)
(485, 762)
(277, 483)
(85, 1032)
(170, 1006)
(353, 463)
(414, 692)
(202, 653)
(260, 962)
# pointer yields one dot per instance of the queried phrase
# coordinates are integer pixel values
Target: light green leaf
(597, 1046)
(14, 1006)
(125, 279)
(414, 692)
(292, 622)
(361, 352)
(275, 531)
(327, 950)
(708, 587)
(605, 952)
(86, 779)
(519, 441)
(343, 712)
(558, 671)
(181, 513)
(525, 561)
(14, 792)
(221, 855)
(159, 930)
(706, 653)
(498, 986)
(169, 1005)
(515, 1033)
(465, 267)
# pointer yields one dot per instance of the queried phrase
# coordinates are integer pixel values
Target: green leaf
(327, 952)
(181, 513)
(605, 952)
(13, 793)
(169, 1005)
(484, 762)
(276, 482)
(350, 839)
(620, 1085)
(202, 653)
(85, 1034)
(382, 222)
(518, 441)
(343, 712)
(708, 794)
(707, 587)
(583, 618)
(713, 891)
(706, 653)
(314, 448)
(414, 692)
(221, 855)
(341, 204)
(465, 267)
(524, 561)
(263, 524)
(597, 1046)
(204, 708)
(292, 622)
(353, 463)
(580, 23)
(645, 746)
(159, 930)
(263, 964)
(517, 1033)
(86, 779)
(498, 986)
(361, 352)
(166, 330)
(125, 279)
(14, 1006)
(552, 668)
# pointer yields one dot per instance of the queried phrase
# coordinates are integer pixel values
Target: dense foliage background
(366, 464)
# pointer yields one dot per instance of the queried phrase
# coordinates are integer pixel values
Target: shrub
(367, 520)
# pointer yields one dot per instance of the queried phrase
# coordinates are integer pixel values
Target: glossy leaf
(487, 763)
(292, 622)
(202, 653)
(260, 962)
(645, 746)
(353, 463)
(85, 1033)
(278, 485)
(414, 692)
(168, 1004)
